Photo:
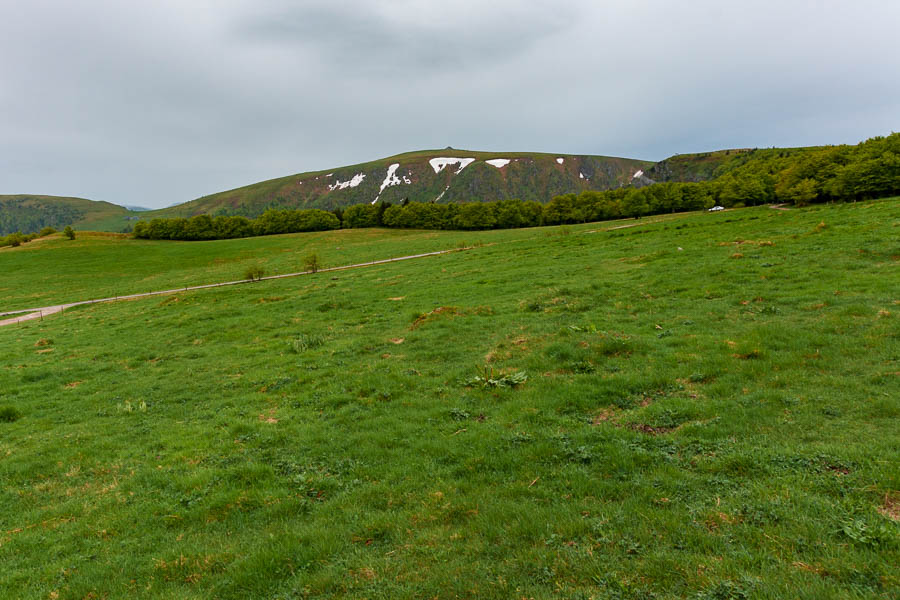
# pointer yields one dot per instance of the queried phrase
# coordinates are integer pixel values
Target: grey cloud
(402, 38)
(152, 103)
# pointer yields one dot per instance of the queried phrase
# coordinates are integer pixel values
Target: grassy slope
(55, 270)
(535, 176)
(695, 423)
(86, 214)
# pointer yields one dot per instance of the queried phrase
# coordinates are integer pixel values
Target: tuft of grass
(487, 378)
(9, 414)
(304, 342)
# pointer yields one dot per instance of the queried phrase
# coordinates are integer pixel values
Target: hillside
(29, 213)
(426, 176)
(803, 175)
(706, 166)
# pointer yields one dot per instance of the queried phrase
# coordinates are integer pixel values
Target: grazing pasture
(703, 405)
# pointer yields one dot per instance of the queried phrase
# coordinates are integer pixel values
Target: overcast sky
(151, 103)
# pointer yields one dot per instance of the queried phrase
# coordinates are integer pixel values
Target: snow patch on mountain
(352, 183)
(438, 164)
(640, 173)
(581, 175)
(560, 160)
(391, 180)
(498, 162)
(441, 195)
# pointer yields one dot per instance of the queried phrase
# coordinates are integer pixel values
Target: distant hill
(451, 175)
(426, 176)
(29, 213)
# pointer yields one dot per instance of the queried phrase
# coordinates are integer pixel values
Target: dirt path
(29, 314)
(50, 310)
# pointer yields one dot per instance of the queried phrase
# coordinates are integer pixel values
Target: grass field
(701, 407)
(54, 270)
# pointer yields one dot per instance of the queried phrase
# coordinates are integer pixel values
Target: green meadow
(55, 270)
(702, 405)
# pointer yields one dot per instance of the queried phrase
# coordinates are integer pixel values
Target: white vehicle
(716, 208)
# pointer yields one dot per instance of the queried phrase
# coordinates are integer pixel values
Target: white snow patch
(640, 173)
(498, 162)
(391, 179)
(441, 195)
(343, 185)
(438, 164)
(560, 160)
(581, 175)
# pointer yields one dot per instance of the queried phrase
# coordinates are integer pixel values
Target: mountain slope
(29, 213)
(426, 176)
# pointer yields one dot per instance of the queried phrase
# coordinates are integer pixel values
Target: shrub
(69, 232)
(312, 263)
(46, 231)
(254, 272)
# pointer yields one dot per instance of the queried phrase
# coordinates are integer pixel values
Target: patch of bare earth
(643, 428)
(605, 415)
(439, 311)
(890, 508)
(268, 416)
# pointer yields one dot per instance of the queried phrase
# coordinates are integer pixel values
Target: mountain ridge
(446, 175)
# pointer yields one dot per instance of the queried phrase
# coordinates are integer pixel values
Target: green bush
(312, 263)
(254, 272)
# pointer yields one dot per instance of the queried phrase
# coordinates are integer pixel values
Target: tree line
(761, 176)
(205, 227)
(805, 176)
